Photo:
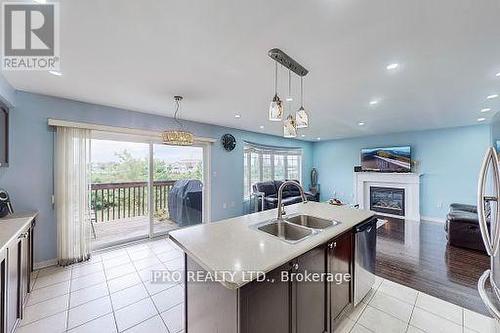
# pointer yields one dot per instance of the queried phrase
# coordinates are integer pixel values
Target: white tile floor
(113, 293)
(391, 307)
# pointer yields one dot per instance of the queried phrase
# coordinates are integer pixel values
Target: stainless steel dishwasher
(364, 258)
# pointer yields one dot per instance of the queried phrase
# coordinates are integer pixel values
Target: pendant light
(178, 137)
(301, 115)
(276, 107)
(290, 127)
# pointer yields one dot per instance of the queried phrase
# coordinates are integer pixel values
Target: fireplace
(387, 200)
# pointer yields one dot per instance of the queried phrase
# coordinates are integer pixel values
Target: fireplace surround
(409, 182)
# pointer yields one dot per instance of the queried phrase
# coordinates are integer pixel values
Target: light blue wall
(29, 178)
(448, 158)
(495, 129)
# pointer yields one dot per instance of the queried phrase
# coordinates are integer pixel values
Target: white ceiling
(138, 54)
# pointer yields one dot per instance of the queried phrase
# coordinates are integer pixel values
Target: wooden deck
(113, 232)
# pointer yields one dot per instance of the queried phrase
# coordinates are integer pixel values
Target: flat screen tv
(388, 159)
(4, 136)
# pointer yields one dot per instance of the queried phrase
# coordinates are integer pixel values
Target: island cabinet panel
(309, 297)
(266, 306)
(210, 306)
(340, 261)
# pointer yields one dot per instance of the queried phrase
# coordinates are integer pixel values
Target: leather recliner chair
(462, 227)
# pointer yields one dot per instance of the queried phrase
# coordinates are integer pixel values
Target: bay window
(264, 163)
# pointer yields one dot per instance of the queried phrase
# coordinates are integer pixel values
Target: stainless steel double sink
(295, 228)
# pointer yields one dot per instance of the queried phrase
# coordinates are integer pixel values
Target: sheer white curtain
(72, 184)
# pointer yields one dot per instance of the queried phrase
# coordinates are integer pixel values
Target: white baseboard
(43, 264)
(433, 219)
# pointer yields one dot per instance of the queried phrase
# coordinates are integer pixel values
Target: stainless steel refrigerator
(488, 208)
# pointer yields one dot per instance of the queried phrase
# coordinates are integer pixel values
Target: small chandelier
(296, 119)
(301, 115)
(276, 107)
(178, 137)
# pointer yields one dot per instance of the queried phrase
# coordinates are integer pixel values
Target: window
(263, 163)
(293, 167)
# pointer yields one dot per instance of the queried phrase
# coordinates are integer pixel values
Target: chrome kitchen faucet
(281, 208)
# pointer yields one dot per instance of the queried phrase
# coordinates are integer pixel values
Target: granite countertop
(12, 225)
(233, 246)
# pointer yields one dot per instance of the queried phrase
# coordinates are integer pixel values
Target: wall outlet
(232, 204)
(224, 205)
(440, 204)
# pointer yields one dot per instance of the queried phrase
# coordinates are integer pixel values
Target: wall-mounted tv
(4, 136)
(388, 159)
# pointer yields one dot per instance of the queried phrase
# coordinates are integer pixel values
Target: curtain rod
(122, 130)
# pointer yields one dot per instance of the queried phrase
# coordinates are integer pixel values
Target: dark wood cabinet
(25, 269)
(13, 284)
(309, 297)
(15, 273)
(294, 305)
(266, 306)
(340, 263)
(290, 306)
(3, 291)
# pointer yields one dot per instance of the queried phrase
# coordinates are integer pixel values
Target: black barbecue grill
(185, 202)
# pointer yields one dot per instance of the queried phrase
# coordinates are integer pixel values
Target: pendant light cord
(289, 83)
(302, 91)
(275, 77)
(177, 107)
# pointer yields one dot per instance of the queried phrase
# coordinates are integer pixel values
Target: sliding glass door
(119, 192)
(143, 189)
(177, 187)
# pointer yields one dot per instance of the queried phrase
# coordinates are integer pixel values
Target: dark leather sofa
(267, 192)
(462, 227)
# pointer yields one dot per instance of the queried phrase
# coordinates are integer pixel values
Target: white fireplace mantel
(410, 182)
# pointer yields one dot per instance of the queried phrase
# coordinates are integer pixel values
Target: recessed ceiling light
(318, 139)
(374, 102)
(361, 123)
(492, 96)
(56, 73)
(392, 67)
(41, 1)
(497, 74)
(486, 110)
(481, 119)
(261, 126)
(237, 116)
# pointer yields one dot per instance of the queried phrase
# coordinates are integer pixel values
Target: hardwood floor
(417, 254)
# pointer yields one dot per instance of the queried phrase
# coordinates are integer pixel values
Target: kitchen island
(234, 254)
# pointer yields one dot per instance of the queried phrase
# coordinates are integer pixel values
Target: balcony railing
(113, 201)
